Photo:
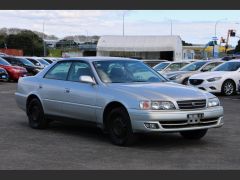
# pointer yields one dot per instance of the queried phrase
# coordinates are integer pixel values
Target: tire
(35, 115)
(119, 128)
(194, 134)
(228, 88)
(185, 81)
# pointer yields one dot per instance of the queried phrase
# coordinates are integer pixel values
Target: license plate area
(195, 118)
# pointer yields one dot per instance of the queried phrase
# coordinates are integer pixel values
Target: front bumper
(175, 121)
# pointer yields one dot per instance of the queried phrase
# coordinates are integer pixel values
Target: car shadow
(156, 141)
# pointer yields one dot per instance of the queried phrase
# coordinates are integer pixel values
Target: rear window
(161, 66)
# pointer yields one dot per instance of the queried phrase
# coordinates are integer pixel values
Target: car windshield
(161, 66)
(3, 62)
(124, 71)
(228, 66)
(26, 62)
(42, 61)
(193, 66)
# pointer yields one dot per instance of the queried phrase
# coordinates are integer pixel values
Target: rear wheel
(228, 88)
(194, 134)
(35, 114)
(119, 127)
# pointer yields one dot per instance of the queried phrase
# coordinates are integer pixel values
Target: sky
(194, 26)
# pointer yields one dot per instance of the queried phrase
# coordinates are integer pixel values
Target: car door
(52, 89)
(80, 101)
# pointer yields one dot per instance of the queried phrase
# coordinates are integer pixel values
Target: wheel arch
(230, 79)
(234, 83)
(30, 97)
(108, 108)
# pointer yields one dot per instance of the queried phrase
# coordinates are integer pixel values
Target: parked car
(3, 75)
(3, 54)
(38, 62)
(168, 66)
(223, 79)
(153, 62)
(122, 96)
(183, 74)
(14, 72)
(17, 61)
(50, 61)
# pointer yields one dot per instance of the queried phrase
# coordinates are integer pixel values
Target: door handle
(67, 90)
(40, 86)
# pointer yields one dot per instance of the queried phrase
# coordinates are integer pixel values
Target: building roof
(139, 43)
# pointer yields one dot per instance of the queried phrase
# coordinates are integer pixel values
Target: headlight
(213, 102)
(157, 105)
(214, 79)
(175, 77)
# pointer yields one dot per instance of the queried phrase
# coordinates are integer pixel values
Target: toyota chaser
(123, 97)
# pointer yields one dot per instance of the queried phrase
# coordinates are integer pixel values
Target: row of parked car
(14, 67)
(215, 76)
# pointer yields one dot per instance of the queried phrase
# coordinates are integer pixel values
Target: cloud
(105, 22)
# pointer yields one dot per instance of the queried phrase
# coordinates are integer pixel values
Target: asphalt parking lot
(75, 147)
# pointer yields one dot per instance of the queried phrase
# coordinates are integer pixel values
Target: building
(142, 47)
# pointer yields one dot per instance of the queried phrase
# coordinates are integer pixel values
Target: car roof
(234, 60)
(96, 58)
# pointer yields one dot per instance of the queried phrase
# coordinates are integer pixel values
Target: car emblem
(193, 104)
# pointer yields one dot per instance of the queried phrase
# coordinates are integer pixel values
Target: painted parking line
(7, 92)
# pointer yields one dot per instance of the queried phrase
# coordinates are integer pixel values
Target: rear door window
(59, 71)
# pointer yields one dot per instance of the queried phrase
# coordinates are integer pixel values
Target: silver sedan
(124, 97)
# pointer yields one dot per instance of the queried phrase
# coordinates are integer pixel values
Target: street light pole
(171, 27)
(44, 47)
(123, 24)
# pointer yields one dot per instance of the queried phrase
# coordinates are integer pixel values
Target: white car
(223, 79)
(165, 67)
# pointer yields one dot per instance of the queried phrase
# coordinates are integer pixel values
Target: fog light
(151, 125)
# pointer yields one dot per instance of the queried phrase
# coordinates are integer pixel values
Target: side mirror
(38, 64)
(87, 79)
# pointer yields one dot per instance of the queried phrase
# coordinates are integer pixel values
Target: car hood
(207, 75)
(160, 91)
(178, 73)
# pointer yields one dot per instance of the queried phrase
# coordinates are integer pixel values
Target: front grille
(192, 104)
(184, 123)
(195, 82)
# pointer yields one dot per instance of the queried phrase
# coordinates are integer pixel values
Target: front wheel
(194, 134)
(228, 88)
(35, 114)
(119, 127)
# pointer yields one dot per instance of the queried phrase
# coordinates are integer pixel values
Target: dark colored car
(48, 60)
(3, 75)
(14, 72)
(16, 61)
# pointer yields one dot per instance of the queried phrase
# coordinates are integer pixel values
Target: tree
(237, 49)
(3, 40)
(28, 41)
(184, 43)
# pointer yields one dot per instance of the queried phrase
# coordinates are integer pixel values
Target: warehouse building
(141, 47)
